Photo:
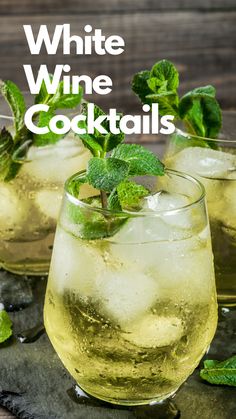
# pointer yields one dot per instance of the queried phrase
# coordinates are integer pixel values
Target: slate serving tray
(35, 385)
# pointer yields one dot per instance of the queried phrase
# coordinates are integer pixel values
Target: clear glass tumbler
(29, 203)
(131, 312)
(215, 166)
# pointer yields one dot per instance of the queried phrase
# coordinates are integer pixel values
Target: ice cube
(142, 229)
(165, 201)
(55, 163)
(75, 265)
(153, 331)
(13, 210)
(126, 294)
(137, 240)
(154, 224)
(184, 268)
(49, 202)
(203, 162)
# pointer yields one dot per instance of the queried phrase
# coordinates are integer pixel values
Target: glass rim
(208, 139)
(126, 213)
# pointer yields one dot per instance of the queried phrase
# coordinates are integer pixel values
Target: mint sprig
(111, 171)
(5, 326)
(159, 85)
(220, 372)
(106, 172)
(130, 193)
(13, 147)
(16, 101)
(201, 112)
(6, 149)
(198, 109)
(99, 144)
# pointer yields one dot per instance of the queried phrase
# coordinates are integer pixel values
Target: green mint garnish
(13, 148)
(5, 326)
(201, 111)
(6, 149)
(160, 85)
(99, 144)
(49, 138)
(110, 171)
(130, 193)
(198, 109)
(16, 101)
(93, 225)
(60, 100)
(106, 173)
(220, 372)
(141, 160)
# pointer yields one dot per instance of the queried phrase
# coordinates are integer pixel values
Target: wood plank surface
(202, 45)
(46, 7)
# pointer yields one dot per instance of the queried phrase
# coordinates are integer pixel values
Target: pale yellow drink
(29, 205)
(216, 169)
(131, 315)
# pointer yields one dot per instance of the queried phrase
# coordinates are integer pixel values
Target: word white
(113, 45)
(102, 84)
(145, 124)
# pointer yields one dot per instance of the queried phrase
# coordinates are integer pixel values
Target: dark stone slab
(35, 385)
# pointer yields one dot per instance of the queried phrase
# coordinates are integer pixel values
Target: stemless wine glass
(130, 306)
(213, 162)
(30, 202)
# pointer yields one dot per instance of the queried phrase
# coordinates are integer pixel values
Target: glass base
(163, 409)
(158, 400)
(31, 269)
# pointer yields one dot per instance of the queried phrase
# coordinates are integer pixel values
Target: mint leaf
(168, 102)
(198, 108)
(50, 138)
(209, 90)
(5, 326)
(6, 149)
(75, 183)
(92, 224)
(159, 86)
(20, 152)
(12, 171)
(61, 100)
(220, 372)
(114, 202)
(166, 75)
(106, 174)
(140, 86)
(141, 160)
(16, 101)
(43, 96)
(202, 112)
(130, 193)
(90, 141)
(98, 143)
